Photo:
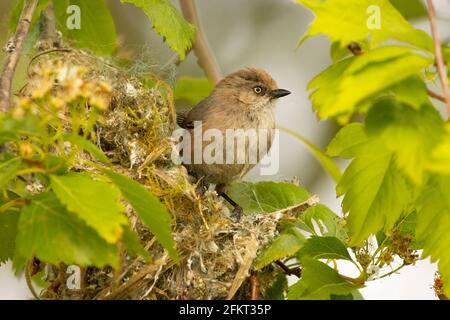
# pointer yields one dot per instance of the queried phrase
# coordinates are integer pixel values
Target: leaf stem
(391, 272)
(289, 271)
(13, 49)
(439, 57)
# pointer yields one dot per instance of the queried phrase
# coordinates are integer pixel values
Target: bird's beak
(278, 93)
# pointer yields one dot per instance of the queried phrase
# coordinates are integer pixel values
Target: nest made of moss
(216, 252)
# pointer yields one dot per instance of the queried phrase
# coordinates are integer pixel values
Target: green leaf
(346, 87)
(97, 31)
(410, 9)
(326, 162)
(8, 170)
(277, 290)
(319, 282)
(152, 212)
(133, 244)
(266, 196)
(8, 231)
(324, 248)
(17, 7)
(346, 21)
(433, 224)
(96, 202)
(285, 245)
(46, 230)
(88, 146)
(348, 141)
(328, 222)
(376, 194)
(410, 134)
(169, 23)
(192, 90)
(440, 156)
(412, 92)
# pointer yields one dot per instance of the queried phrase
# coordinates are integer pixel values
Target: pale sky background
(263, 34)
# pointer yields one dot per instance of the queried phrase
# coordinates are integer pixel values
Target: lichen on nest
(216, 251)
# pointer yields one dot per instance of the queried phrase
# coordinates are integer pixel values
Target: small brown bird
(242, 100)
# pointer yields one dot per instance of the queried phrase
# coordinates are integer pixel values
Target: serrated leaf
(319, 282)
(95, 202)
(97, 31)
(346, 21)
(152, 212)
(347, 141)
(169, 23)
(46, 230)
(192, 90)
(328, 223)
(88, 146)
(324, 248)
(8, 232)
(412, 92)
(285, 245)
(376, 194)
(433, 225)
(133, 245)
(266, 196)
(326, 162)
(345, 88)
(8, 170)
(410, 134)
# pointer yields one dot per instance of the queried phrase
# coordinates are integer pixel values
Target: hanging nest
(216, 252)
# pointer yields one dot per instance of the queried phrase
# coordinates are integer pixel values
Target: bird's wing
(186, 119)
(182, 120)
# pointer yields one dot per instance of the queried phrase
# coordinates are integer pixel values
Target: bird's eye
(257, 89)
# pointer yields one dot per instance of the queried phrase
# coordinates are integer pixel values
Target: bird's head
(254, 88)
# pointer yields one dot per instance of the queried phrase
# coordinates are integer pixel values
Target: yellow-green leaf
(46, 230)
(95, 202)
(285, 245)
(169, 23)
(96, 30)
(152, 212)
(266, 196)
(346, 21)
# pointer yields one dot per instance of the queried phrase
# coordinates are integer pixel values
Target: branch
(438, 52)
(205, 56)
(13, 49)
(289, 271)
(254, 287)
(435, 95)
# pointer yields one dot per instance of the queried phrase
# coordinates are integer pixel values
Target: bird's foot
(237, 213)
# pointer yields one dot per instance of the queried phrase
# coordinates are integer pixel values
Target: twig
(50, 38)
(290, 271)
(29, 272)
(439, 57)
(254, 286)
(391, 272)
(13, 49)
(205, 57)
(435, 95)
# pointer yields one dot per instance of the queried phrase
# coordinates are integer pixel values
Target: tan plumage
(234, 104)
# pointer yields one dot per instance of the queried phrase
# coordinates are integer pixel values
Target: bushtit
(241, 102)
